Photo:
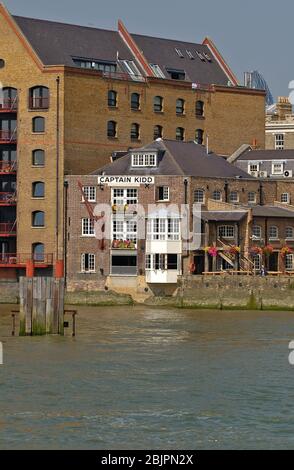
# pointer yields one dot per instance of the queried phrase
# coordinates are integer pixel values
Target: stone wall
(9, 292)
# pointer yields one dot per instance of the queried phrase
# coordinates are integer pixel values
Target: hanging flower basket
(211, 250)
(233, 250)
(286, 250)
(255, 250)
(268, 249)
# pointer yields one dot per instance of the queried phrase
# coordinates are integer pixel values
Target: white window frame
(229, 231)
(279, 141)
(257, 262)
(91, 263)
(150, 262)
(253, 167)
(289, 262)
(217, 191)
(291, 237)
(254, 200)
(259, 229)
(237, 197)
(199, 192)
(164, 229)
(90, 193)
(157, 71)
(144, 160)
(127, 196)
(165, 193)
(286, 197)
(280, 171)
(88, 229)
(273, 237)
(122, 229)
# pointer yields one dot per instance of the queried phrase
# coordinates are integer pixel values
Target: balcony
(7, 199)
(12, 260)
(124, 245)
(9, 105)
(8, 137)
(8, 229)
(8, 168)
(39, 103)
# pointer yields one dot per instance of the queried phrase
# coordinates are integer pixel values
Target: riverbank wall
(202, 292)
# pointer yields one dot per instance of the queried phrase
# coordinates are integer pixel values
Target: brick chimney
(283, 107)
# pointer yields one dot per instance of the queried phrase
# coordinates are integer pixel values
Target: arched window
(38, 158)
(38, 124)
(199, 196)
(111, 129)
(226, 231)
(158, 104)
(9, 98)
(199, 136)
(180, 107)
(38, 252)
(180, 133)
(217, 195)
(38, 189)
(38, 219)
(39, 97)
(135, 101)
(273, 233)
(199, 108)
(256, 232)
(135, 131)
(112, 99)
(157, 132)
(289, 233)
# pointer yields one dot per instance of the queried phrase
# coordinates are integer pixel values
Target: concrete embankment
(202, 292)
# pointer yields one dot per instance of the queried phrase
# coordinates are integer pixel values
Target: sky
(251, 34)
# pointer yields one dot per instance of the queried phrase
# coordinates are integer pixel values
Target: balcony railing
(8, 137)
(124, 76)
(7, 199)
(8, 167)
(124, 245)
(16, 259)
(39, 102)
(8, 105)
(7, 229)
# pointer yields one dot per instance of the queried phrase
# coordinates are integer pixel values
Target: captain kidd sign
(125, 180)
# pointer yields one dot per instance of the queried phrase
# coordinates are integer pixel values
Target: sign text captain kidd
(125, 180)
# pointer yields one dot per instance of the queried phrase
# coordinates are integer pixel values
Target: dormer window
(176, 74)
(144, 160)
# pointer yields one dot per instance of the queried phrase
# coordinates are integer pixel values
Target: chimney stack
(283, 107)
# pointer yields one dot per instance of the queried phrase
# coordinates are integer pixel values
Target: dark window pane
(135, 101)
(38, 252)
(38, 219)
(38, 189)
(39, 124)
(111, 129)
(199, 136)
(39, 97)
(158, 104)
(157, 132)
(112, 98)
(199, 108)
(38, 157)
(135, 131)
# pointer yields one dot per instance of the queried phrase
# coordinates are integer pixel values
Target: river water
(137, 377)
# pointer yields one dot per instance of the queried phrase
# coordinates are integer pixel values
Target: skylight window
(207, 56)
(144, 160)
(157, 71)
(131, 68)
(179, 52)
(201, 57)
(190, 55)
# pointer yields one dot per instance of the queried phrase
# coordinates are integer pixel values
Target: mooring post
(74, 323)
(13, 312)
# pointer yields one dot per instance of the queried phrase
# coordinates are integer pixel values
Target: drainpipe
(57, 166)
(65, 214)
(260, 194)
(189, 212)
(226, 191)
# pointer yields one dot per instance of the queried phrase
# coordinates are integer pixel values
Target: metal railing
(8, 167)
(7, 198)
(9, 104)
(10, 259)
(8, 136)
(8, 228)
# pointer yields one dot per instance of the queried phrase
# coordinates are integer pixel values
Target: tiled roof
(267, 155)
(272, 211)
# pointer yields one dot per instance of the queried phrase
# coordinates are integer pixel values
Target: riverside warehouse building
(241, 227)
(72, 95)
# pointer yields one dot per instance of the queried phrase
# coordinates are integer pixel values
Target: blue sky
(251, 35)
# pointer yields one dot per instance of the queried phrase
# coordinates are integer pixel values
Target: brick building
(73, 95)
(279, 126)
(240, 216)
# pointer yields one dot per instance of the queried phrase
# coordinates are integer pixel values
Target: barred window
(88, 263)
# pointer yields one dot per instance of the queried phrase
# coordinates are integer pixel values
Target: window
(157, 132)
(131, 68)
(180, 106)
(289, 262)
(226, 231)
(148, 262)
(289, 233)
(253, 167)
(38, 252)
(234, 196)
(273, 232)
(158, 104)
(39, 97)
(251, 197)
(135, 101)
(38, 157)
(199, 108)
(38, 189)
(88, 227)
(88, 263)
(122, 197)
(285, 198)
(279, 141)
(90, 193)
(163, 229)
(112, 99)
(157, 71)
(199, 136)
(124, 230)
(107, 67)
(199, 196)
(9, 98)
(180, 133)
(277, 168)
(38, 219)
(217, 195)
(162, 193)
(135, 131)
(144, 159)
(38, 124)
(111, 129)
(256, 232)
(179, 52)
(176, 74)
(256, 262)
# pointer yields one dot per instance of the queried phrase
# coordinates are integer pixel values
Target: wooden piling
(41, 306)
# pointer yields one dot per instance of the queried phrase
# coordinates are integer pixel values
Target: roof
(272, 211)
(223, 216)
(177, 158)
(267, 155)
(57, 44)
